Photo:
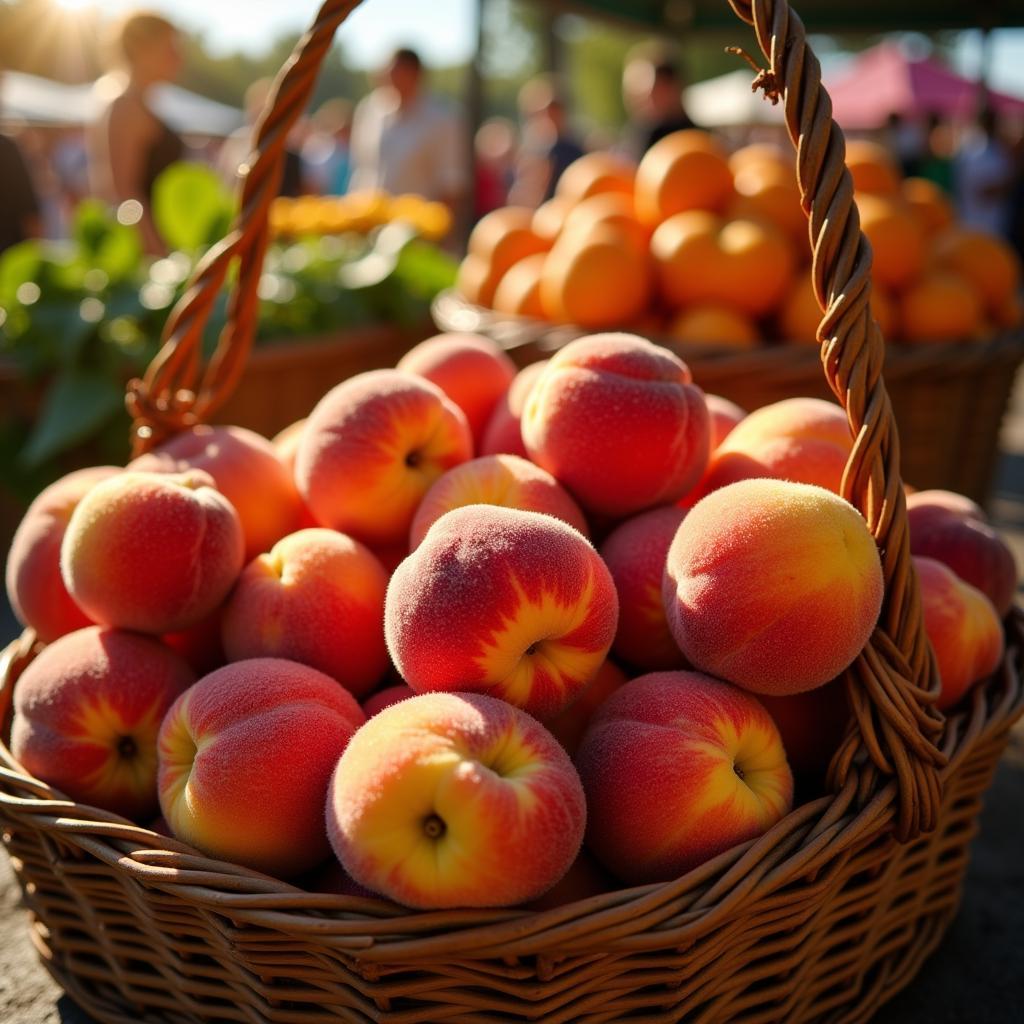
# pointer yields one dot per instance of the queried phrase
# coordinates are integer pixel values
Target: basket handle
(893, 683)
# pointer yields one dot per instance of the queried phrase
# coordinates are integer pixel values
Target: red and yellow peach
(455, 800)
(371, 449)
(87, 712)
(504, 435)
(317, 598)
(678, 767)
(531, 604)
(619, 422)
(815, 564)
(245, 760)
(152, 552)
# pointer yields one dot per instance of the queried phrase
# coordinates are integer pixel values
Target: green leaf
(92, 223)
(120, 253)
(77, 403)
(189, 204)
(18, 265)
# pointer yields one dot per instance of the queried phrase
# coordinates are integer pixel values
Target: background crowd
(403, 137)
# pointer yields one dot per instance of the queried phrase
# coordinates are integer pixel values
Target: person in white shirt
(983, 174)
(406, 140)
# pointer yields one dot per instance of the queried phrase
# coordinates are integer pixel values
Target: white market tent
(42, 101)
(728, 102)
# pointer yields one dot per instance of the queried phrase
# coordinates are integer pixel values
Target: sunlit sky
(442, 30)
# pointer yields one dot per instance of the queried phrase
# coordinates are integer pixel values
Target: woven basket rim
(819, 831)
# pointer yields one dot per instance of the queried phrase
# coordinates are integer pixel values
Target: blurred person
(239, 144)
(547, 146)
(129, 146)
(1017, 197)
(937, 160)
(19, 204)
(405, 139)
(983, 174)
(652, 93)
(326, 152)
(495, 148)
(907, 139)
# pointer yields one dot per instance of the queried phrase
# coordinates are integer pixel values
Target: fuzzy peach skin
(371, 449)
(455, 800)
(317, 598)
(678, 767)
(964, 543)
(619, 422)
(499, 601)
(504, 480)
(773, 586)
(802, 439)
(948, 500)
(35, 587)
(635, 553)
(245, 469)
(382, 699)
(963, 627)
(245, 759)
(286, 443)
(504, 434)
(724, 416)
(473, 371)
(151, 551)
(811, 725)
(569, 726)
(86, 715)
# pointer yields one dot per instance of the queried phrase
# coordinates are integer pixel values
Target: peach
(964, 543)
(724, 416)
(514, 604)
(635, 553)
(385, 698)
(372, 448)
(948, 500)
(811, 725)
(818, 587)
(678, 767)
(963, 627)
(569, 726)
(455, 800)
(504, 480)
(286, 443)
(316, 598)
(86, 715)
(473, 371)
(245, 759)
(245, 469)
(806, 440)
(200, 645)
(152, 552)
(503, 435)
(619, 422)
(35, 587)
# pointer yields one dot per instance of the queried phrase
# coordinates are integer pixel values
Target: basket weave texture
(824, 917)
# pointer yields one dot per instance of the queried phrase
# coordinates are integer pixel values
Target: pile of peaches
(473, 637)
(705, 247)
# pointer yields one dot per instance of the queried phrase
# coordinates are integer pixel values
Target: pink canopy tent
(884, 80)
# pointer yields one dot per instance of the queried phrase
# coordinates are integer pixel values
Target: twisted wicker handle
(892, 685)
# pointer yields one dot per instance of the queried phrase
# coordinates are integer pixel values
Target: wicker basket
(949, 398)
(824, 917)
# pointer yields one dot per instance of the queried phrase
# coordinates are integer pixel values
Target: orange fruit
(518, 291)
(928, 203)
(764, 155)
(593, 173)
(503, 237)
(1009, 314)
(942, 306)
(883, 307)
(549, 217)
(701, 258)
(769, 192)
(476, 281)
(872, 168)
(610, 209)
(686, 170)
(595, 282)
(987, 262)
(896, 238)
(800, 315)
(715, 325)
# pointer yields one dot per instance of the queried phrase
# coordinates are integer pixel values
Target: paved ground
(975, 977)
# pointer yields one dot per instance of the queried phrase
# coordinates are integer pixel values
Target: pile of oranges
(705, 247)
(358, 212)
